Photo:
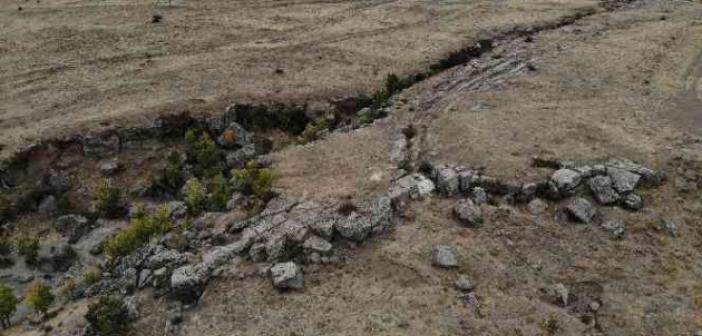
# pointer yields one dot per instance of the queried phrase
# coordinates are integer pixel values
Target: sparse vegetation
(28, 246)
(221, 192)
(92, 276)
(139, 231)
(195, 195)
(39, 297)
(169, 179)
(393, 85)
(253, 180)
(5, 245)
(5, 206)
(8, 304)
(109, 316)
(201, 149)
(312, 130)
(109, 199)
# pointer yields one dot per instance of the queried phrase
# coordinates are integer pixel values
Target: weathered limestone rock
(444, 256)
(467, 213)
(624, 181)
(447, 181)
(581, 210)
(537, 206)
(287, 275)
(355, 227)
(566, 180)
(602, 190)
(318, 245)
(632, 202)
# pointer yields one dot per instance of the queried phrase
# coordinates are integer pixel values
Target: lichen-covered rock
(414, 186)
(632, 202)
(235, 136)
(479, 195)
(648, 176)
(602, 190)
(447, 181)
(615, 227)
(444, 256)
(624, 181)
(164, 258)
(177, 209)
(318, 245)
(581, 210)
(566, 180)
(187, 282)
(72, 226)
(467, 213)
(241, 156)
(355, 227)
(287, 275)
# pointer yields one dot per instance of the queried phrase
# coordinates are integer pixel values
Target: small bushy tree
(39, 297)
(221, 192)
(28, 246)
(109, 316)
(195, 194)
(109, 199)
(8, 304)
(253, 180)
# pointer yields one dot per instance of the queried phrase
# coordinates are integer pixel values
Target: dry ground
(607, 86)
(68, 64)
(614, 84)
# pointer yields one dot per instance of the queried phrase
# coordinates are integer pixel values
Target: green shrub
(92, 276)
(139, 231)
(5, 206)
(221, 193)
(169, 179)
(393, 85)
(253, 180)
(39, 297)
(312, 130)
(5, 245)
(8, 304)
(28, 246)
(109, 316)
(201, 149)
(195, 195)
(109, 199)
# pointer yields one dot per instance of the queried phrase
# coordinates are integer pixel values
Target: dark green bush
(195, 196)
(201, 149)
(139, 231)
(169, 179)
(109, 199)
(8, 304)
(28, 246)
(5, 245)
(109, 316)
(221, 193)
(5, 206)
(393, 85)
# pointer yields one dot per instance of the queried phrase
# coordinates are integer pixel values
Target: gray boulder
(603, 190)
(463, 283)
(48, 205)
(355, 227)
(241, 156)
(235, 136)
(444, 256)
(479, 195)
(467, 213)
(624, 181)
(287, 275)
(581, 210)
(566, 180)
(447, 181)
(177, 209)
(318, 245)
(187, 282)
(72, 226)
(414, 186)
(164, 258)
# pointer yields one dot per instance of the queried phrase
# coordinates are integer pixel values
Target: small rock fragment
(615, 227)
(632, 202)
(479, 196)
(670, 226)
(444, 256)
(463, 283)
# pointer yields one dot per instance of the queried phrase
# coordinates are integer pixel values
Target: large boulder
(287, 275)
